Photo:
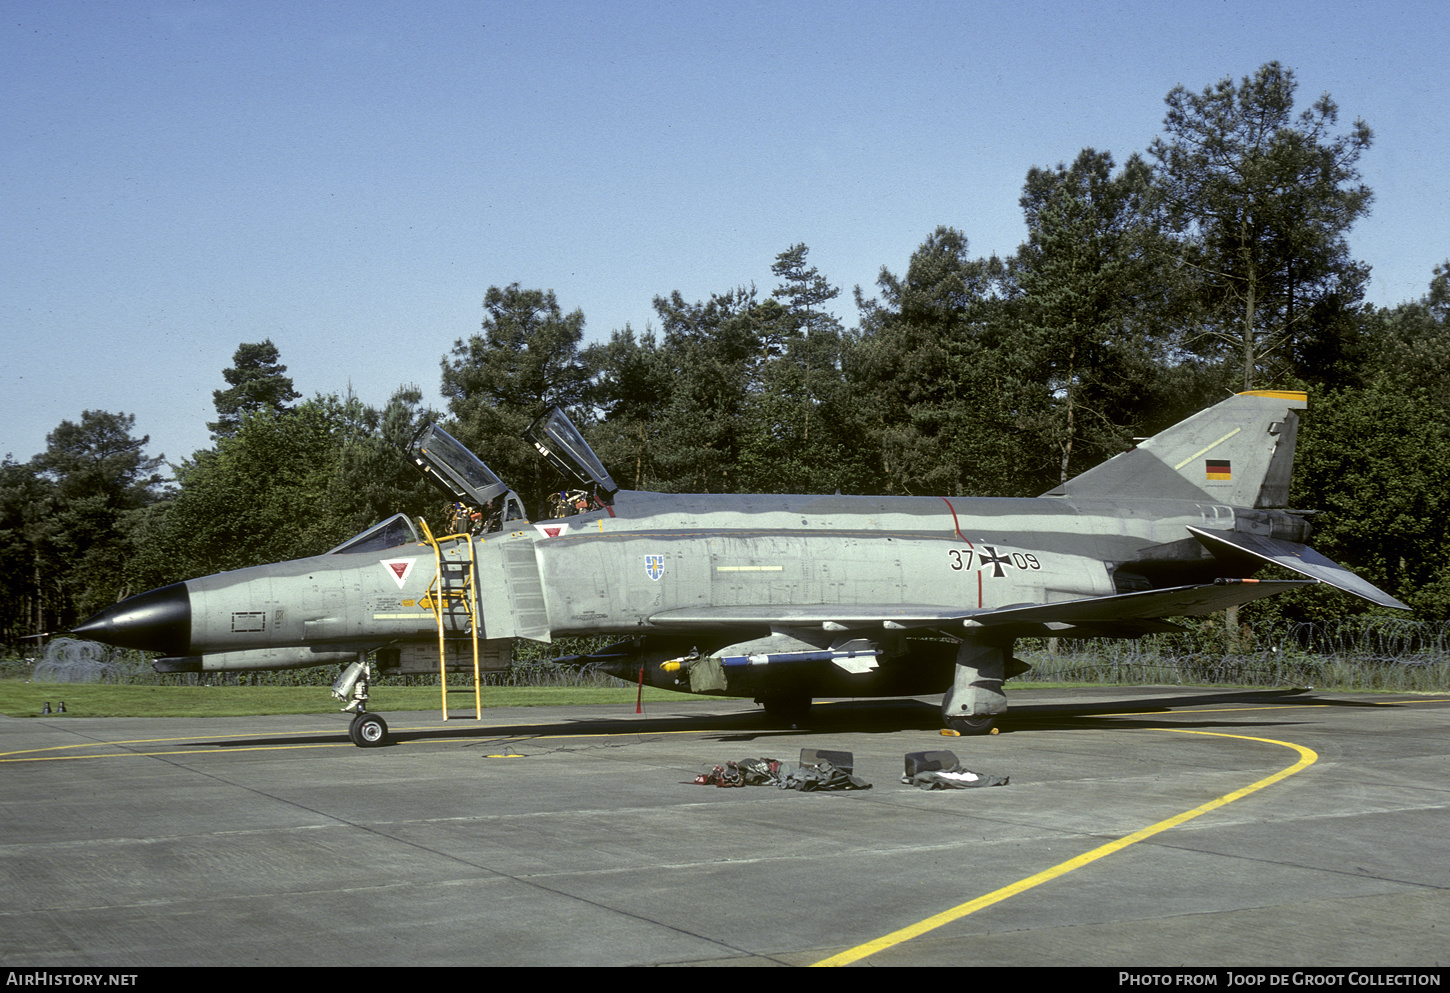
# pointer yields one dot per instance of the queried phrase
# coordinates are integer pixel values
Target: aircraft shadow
(876, 716)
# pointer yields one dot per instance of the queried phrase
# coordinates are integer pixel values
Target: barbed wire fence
(1361, 653)
(71, 660)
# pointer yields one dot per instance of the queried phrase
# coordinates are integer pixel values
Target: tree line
(1215, 261)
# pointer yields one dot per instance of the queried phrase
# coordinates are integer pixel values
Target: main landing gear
(969, 727)
(789, 707)
(975, 698)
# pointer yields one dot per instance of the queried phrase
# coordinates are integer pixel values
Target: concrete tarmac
(576, 836)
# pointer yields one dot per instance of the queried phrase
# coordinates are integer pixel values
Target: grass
(1366, 654)
(22, 699)
(27, 699)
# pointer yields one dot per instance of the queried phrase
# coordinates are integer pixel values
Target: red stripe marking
(955, 526)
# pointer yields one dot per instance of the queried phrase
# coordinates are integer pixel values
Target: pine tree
(258, 382)
(1262, 200)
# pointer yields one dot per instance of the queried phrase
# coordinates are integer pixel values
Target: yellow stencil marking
(1208, 449)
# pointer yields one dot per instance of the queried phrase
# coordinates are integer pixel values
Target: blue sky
(348, 179)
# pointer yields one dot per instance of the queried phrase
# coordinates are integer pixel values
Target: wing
(1125, 614)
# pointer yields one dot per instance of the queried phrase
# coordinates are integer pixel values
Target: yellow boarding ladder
(453, 585)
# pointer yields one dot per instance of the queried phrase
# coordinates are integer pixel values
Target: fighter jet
(777, 598)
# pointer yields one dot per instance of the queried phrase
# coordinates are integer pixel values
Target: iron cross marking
(988, 556)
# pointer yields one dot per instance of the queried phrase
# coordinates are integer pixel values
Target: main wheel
(971, 726)
(787, 708)
(368, 731)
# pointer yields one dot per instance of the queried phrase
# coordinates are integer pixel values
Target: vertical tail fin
(1239, 452)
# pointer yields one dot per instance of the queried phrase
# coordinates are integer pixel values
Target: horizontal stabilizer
(1299, 558)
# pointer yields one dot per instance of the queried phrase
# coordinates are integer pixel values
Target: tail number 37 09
(962, 559)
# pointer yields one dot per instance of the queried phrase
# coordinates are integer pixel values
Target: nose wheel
(368, 731)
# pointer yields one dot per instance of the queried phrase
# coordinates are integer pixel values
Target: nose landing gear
(366, 730)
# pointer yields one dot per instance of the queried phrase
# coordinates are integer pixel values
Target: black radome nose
(157, 621)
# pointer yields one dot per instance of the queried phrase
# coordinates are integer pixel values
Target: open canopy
(559, 441)
(461, 474)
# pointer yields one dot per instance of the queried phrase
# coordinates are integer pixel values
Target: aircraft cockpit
(559, 441)
(556, 439)
(396, 530)
(463, 476)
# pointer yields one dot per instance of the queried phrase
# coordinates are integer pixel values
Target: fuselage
(652, 561)
(661, 554)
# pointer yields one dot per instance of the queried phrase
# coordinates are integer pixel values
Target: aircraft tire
(790, 708)
(368, 731)
(969, 727)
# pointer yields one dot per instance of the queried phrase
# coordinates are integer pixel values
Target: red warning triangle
(399, 569)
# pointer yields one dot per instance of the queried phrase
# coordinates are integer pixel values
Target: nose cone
(158, 621)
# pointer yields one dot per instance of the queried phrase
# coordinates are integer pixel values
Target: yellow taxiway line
(482, 731)
(1307, 757)
(36, 754)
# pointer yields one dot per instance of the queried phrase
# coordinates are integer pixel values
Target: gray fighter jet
(778, 598)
